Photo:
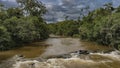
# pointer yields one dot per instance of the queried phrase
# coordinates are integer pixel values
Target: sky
(58, 9)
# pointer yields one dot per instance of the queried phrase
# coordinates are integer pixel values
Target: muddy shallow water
(93, 60)
(52, 46)
(59, 46)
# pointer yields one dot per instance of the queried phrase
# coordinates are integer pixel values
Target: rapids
(93, 60)
(61, 53)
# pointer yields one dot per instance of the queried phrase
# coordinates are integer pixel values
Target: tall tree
(109, 7)
(1, 7)
(14, 12)
(32, 7)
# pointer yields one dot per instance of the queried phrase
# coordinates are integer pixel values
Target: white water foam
(114, 55)
(73, 62)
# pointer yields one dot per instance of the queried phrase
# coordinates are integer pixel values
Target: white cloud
(49, 6)
(12, 0)
(9, 0)
(80, 6)
(116, 3)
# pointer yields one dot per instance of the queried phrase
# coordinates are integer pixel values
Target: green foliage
(17, 29)
(26, 29)
(1, 7)
(5, 39)
(52, 28)
(14, 12)
(102, 26)
(32, 7)
(118, 9)
(3, 15)
(65, 28)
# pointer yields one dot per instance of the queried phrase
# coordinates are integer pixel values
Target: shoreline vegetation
(24, 24)
(21, 25)
(101, 25)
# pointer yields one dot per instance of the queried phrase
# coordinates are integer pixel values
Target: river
(59, 46)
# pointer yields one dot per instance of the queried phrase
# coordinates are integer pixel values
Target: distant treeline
(22, 24)
(101, 25)
(64, 28)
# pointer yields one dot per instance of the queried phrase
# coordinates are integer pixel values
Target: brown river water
(59, 46)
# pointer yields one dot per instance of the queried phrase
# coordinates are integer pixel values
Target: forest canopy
(22, 24)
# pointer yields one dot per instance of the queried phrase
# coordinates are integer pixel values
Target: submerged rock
(9, 62)
(64, 56)
(83, 52)
(81, 56)
(109, 51)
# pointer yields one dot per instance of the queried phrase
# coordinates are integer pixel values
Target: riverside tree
(22, 24)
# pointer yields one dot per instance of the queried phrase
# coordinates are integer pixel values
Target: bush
(22, 30)
(102, 29)
(5, 39)
(65, 28)
(20, 25)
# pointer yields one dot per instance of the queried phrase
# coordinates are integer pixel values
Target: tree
(118, 9)
(1, 7)
(5, 39)
(24, 30)
(17, 29)
(3, 14)
(102, 26)
(66, 17)
(32, 7)
(14, 12)
(65, 28)
(109, 7)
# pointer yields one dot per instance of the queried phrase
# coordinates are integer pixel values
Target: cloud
(9, 0)
(116, 2)
(8, 3)
(64, 8)
(58, 9)
(71, 8)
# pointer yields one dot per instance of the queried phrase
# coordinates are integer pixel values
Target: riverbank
(52, 46)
